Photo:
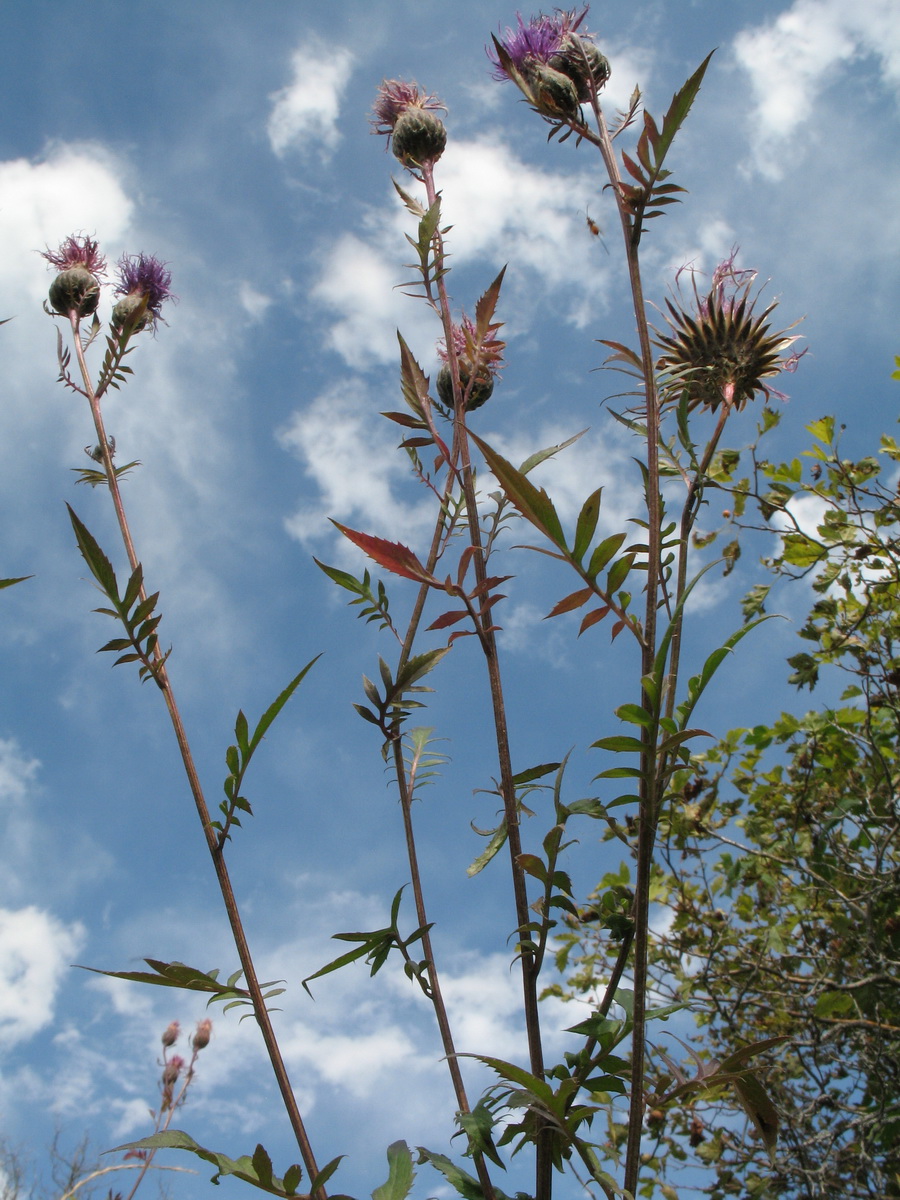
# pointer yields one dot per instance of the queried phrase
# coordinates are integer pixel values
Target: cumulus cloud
(35, 950)
(501, 210)
(356, 469)
(794, 58)
(305, 114)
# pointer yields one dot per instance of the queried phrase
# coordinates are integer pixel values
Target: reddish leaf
(449, 618)
(568, 603)
(591, 618)
(395, 557)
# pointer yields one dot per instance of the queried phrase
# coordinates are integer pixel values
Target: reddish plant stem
(543, 1163)
(649, 786)
(216, 852)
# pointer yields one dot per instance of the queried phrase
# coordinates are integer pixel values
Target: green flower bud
(554, 93)
(132, 310)
(418, 137)
(75, 290)
(581, 61)
(481, 388)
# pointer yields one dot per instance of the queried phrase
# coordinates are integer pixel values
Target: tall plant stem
(216, 852)
(434, 984)
(688, 517)
(543, 1164)
(649, 787)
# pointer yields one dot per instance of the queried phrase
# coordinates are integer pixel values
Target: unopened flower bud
(481, 388)
(170, 1036)
(172, 1070)
(75, 290)
(405, 114)
(554, 93)
(582, 62)
(203, 1034)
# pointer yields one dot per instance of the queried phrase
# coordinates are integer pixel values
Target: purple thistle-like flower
(479, 364)
(393, 98)
(143, 276)
(537, 41)
(405, 114)
(77, 251)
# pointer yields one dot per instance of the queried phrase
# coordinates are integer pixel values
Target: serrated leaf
(397, 558)
(400, 1174)
(255, 1169)
(532, 502)
(99, 565)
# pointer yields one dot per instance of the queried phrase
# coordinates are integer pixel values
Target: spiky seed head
(723, 351)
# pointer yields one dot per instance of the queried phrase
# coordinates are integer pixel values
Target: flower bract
(144, 283)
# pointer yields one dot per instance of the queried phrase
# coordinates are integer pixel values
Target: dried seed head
(722, 351)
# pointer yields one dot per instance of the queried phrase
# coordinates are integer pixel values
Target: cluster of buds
(175, 1068)
(142, 281)
(721, 351)
(478, 365)
(405, 114)
(556, 68)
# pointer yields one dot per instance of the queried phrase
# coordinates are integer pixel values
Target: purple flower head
(489, 353)
(478, 362)
(142, 275)
(393, 98)
(77, 251)
(537, 41)
(405, 114)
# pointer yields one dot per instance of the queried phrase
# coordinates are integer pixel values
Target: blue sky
(231, 140)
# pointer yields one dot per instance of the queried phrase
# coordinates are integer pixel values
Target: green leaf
(323, 1176)
(603, 553)
(255, 1169)
(99, 564)
(759, 1108)
(5, 583)
(400, 1176)
(532, 502)
(586, 524)
(276, 706)
(619, 744)
(463, 1183)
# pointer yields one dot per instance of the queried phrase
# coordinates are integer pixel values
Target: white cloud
(501, 210)
(255, 304)
(807, 48)
(355, 469)
(35, 951)
(305, 114)
(357, 286)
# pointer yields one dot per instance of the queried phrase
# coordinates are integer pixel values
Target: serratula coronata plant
(583, 1115)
